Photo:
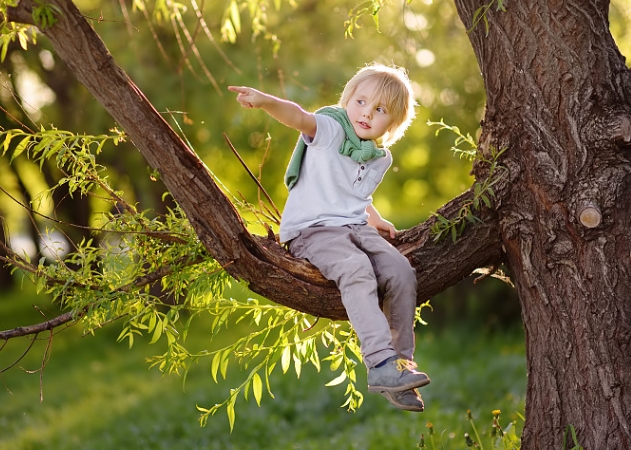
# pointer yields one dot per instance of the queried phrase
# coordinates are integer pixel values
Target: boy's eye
(361, 102)
(381, 109)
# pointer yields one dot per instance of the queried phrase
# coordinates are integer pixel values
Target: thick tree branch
(268, 269)
(38, 328)
(443, 264)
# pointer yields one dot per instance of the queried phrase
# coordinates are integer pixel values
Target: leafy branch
(483, 190)
(371, 8)
(74, 155)
(44, 14)
(231, 21)
(480, 15)
(11, 31)
(571, 431)
(278, 335)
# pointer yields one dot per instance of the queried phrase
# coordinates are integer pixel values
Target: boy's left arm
(382, 225)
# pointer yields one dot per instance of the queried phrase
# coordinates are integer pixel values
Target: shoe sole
(388, 397)
(405, 387)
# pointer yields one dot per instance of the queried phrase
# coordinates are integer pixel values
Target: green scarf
(358, 149)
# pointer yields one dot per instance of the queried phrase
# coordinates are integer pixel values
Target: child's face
(370, 118)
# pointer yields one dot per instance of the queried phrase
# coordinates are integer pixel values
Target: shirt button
(362, 167)
(359, 178)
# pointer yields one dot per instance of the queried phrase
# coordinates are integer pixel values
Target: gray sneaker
(396, 375)
(407, 400)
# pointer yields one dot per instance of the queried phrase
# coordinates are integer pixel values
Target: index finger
(239, 89)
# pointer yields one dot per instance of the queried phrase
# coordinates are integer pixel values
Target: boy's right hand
(248, 97)
(285, 111)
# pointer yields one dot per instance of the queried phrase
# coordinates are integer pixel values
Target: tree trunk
(559, 98)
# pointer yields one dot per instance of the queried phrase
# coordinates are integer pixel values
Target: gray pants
(365, 266)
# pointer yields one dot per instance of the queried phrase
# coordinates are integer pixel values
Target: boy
(339, 160)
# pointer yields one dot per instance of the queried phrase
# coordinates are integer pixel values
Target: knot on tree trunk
(589, 215)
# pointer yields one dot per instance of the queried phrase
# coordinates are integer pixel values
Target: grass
(99, 395)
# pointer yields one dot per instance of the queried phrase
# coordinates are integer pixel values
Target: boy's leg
(334, 251)
(397, 283)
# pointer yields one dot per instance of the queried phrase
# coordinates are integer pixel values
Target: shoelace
(405, 364)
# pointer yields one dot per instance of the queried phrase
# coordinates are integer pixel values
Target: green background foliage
(98, 394)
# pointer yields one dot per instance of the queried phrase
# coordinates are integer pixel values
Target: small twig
(485, 273)
(317, 319)
(21, 356)
(269, 214)
(254, 211)
(260, 177)
(256, 180)
(45, 359)
(494, 272)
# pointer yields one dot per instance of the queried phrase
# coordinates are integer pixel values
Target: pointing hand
(248, 97)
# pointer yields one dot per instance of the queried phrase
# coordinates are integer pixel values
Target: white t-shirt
(332, 189)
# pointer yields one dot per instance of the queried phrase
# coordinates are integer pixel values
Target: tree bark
(267, 268)
(559, 97)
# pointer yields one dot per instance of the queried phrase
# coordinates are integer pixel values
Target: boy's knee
(401, 278)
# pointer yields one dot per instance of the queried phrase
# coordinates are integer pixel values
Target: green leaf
(267, 383)
(7, 141)
(235, 17)
(315, 360)
(257, 388)
(337, 380)
(5, 47)
(225, 359)
(157, 332)
(23, 145)
(152, 321)
(285, 359)
(336, 362)
(231, 413)
(297, 365)
(214, 367)
(442, 219)
(227, 32)
(477, 15)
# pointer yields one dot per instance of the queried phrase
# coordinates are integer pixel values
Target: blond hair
(394, 90)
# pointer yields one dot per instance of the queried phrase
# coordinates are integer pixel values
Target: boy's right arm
(285, 111)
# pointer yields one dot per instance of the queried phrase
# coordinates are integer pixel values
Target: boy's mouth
(364, 125)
